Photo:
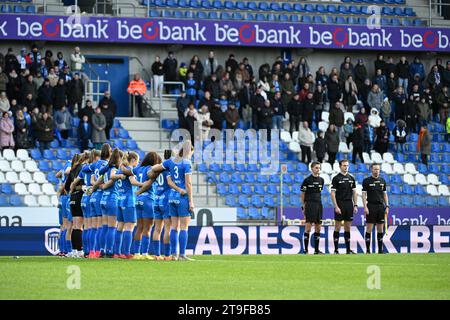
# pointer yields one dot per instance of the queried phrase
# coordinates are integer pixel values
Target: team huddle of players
(113, 205)
(344, 197)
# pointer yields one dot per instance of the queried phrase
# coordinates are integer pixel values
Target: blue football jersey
(177, 172)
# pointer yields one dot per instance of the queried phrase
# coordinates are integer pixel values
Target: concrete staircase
(421, 7)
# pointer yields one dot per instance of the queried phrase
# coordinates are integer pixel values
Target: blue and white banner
(248, 240)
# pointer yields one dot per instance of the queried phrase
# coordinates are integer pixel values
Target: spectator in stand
(75, 93)
(434, 77)
(347, 60)
(361, 117)
(265, 86)
(364, 92)
(304, 91)
(21, 130)
(345, 73)
(287, 89)
(274, 85)
(52, 77)
(391, 85)
(321, 77)
(416, 86)
(386, 110)
(412, 114)
(238, 82)
(279, 111)
(403, 73)
(308, 108)
(375, 98)
(3, 80)
(446, 75)
(35, 59)
(310, 81)
(320, 147)
(11, 62)
(60, 62)
(6, 132)
(294, 110)
(63, 121)
(380, 63)
(334, 90)
(98, 128)
(265, 117)
(60, 94)
(348, 131)
(320, 100)
(337, 118)
(29, 102)
(380, 80)
(44, 131)
(45, 97)
(400, 99)
(231, 65)
(257, 102)
(374, 119)
(391, 67)
(84, 133)
(199, 70)
(138, 88)
(332, 142)
(245, 75)
(358, 142)
(417, 68)
(48, 59)
(182, 72)
(109, 116)
(424, 111)
(77, 60)
(424, 144)
(107, 99)
(367, 139)
(360, 74)
(400, 134)
(191, 87)
(88, 111)
(248, 67)
(170, 65)
(182, 105)
(204, 122)
(4, 103)
(232, 117)
(213, 86)
(306, 139)
(28, 87)
(211, 64)
(350, 93)
(158, 76)
(14, 107)
(381, 143)
(191, 116)
(23, 60)
(66, 75)
(302, 71)
(217, 116)
(226, 85)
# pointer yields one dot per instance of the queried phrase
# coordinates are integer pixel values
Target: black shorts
(346, 207)
(75, 204)
(376, 213)
(313, 212)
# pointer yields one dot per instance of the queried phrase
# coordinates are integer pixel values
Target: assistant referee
(376, 205)
(344, 198)
(312, 207)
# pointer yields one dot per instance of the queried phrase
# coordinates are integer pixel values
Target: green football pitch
(396, 276)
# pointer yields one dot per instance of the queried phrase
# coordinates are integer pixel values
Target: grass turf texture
(403, 276)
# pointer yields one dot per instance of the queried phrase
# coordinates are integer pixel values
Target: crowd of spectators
(40, 95)
(400, 95)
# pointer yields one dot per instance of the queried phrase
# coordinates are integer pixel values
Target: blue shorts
(127, 214)
(109, 208)
(86, 206)
(179, 207)
(161, 211)
(69, 213)
(96, 208)
(144, 208)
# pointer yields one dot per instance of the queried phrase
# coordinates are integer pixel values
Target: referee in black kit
(376, 205)
(312, 207)
(344, 198)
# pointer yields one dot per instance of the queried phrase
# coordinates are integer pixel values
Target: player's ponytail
(116, 158)
(106, 152)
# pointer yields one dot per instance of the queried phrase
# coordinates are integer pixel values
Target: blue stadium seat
(286, 190)
(435, 148)
(257, 201)
(237, 16)
(249, 177)
(252, 167)
(4, 201)
(287, 178)
(214, 167)
(320, 8)
(236, 178)
(19, 9)
(262, 178)
(398, 11)
(268, 214)
(264, 6)
(271, 17)
(202, 15)
(5, 8)
(330, 19)
(272, 189)
(202, 167)
(395, 189)
(385, 22)
(123, 134)
(287, 7)
(387, 11)
(362, 21)
(250, 17)
(227, 167)
(432, 202)
(225, 16)
(241, 5)
(275, 178)
(443, 201)
(260, 17)
(359, 178)
(406, 23)
(241, 213)
(36, 154)
(295, 201)
(331, 8)
(397, 179)
(309, 7)
(340, 20)
(410, 12)
(16, 201)
(259, 189)
(51, 177)
(194, 4)
(189, 14)
(283, 18)
(296, 188)
(243, 201)
(445, 168)
(218, 5)
(49, 155)
(213, 15)
(240, 167)
(131, 145)
(419, 202)
(294, 18)
(247, 189)
(222, 189)
(6, 188)
(444, 179)
(343, 9)
(298, 177)
(317, 19)
(268, 201)
(301, 167)
(406, 201)
(56, 165)
(419, 190)
(354, 10)
(433, 168)
(233, 189)
(396, 23)
(167, 14)
(230, 201)
(298, 7)
(394, 201)
(254, 213)
(251, 5)
(275, 6)
(171, 3)
(352, 20)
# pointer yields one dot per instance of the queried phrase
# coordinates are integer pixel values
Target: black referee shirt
(312, 187)
(343, 185)
(375, 189)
